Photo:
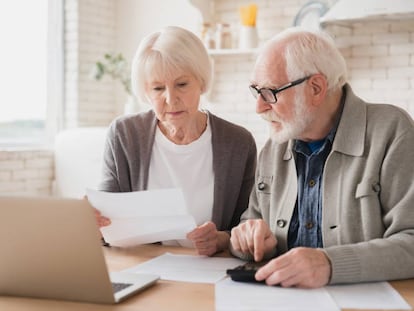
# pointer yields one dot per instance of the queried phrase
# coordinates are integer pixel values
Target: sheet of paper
(142, 216)
(187, 268)
(380, 295)
(230, 295)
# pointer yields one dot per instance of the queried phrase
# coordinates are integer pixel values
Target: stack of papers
(248, 296)
(143, 216)
(239, 296)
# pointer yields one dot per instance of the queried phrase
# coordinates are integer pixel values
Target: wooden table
(165, 295)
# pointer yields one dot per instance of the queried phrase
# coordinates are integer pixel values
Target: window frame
(55, 82)
(55, 75)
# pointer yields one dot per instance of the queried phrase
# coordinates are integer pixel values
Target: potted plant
(117, 67)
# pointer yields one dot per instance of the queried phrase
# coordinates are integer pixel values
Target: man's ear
(318, 88)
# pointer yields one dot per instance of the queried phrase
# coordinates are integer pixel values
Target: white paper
(230, 295)
(142, 216)
(187, 268)
(380, 295)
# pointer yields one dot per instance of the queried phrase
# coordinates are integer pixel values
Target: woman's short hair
(164, 53)
(309, 53)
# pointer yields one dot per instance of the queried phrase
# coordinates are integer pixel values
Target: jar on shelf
(207, 36)
(223, 36)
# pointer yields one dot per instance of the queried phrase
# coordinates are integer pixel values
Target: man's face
(289, 116)
(283, 129)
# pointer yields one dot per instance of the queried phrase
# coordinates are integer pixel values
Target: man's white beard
(292, 129)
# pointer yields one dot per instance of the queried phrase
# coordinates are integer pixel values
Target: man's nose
(261, 105)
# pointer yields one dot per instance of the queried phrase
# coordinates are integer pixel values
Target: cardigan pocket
(367, 187)
(368, 214)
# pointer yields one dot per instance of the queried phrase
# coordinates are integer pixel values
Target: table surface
(164, 295)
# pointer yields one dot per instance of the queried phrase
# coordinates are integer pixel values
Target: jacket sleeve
(389, 257)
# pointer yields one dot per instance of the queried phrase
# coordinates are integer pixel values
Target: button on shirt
(305, 227)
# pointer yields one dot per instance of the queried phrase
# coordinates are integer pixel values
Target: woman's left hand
(207, 240)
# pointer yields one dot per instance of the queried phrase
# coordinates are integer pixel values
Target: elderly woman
(175, 144)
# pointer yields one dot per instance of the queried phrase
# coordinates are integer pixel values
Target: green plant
(116, 66)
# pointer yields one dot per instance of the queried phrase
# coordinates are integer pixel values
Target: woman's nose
(170, 96)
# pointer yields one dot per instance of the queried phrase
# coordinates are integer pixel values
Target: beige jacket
(368, 193)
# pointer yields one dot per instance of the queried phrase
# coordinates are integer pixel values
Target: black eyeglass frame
(256, 92)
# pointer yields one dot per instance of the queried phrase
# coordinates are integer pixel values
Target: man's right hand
(254, 237)
(102, 221)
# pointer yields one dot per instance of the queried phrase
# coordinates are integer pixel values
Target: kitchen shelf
(219, 52)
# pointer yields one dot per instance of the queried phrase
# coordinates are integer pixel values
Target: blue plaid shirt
(305, 226)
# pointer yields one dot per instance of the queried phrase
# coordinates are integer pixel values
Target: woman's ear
(203, 88)
(318, 88)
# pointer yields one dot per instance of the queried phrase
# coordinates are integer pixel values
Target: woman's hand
(207, 240)
(102, 221)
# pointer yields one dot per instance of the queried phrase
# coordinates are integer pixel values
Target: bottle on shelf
(223, 38)
(207, 36)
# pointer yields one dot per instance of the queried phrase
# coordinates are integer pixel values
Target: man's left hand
(300, 267)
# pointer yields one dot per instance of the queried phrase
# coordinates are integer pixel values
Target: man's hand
(253, 237)
(300, 267)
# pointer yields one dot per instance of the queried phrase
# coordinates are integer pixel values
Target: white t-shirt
(189, 167)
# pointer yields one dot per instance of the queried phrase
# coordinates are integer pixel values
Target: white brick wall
(380, 57)
(26, 172)
(90, 33)
(380, 61)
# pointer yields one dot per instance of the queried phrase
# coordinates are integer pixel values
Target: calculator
(245, 272)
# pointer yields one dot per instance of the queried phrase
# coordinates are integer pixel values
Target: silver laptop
(51, 248)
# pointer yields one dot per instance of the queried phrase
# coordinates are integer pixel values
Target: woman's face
(175, 99)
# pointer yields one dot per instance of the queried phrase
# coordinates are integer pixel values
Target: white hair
(308, 53)
(164, 53)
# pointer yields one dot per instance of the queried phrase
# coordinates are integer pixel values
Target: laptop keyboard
(116, 287)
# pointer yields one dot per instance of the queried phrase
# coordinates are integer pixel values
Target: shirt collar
(301, 146)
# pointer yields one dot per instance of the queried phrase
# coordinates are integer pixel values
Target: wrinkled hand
(300, 267)
(102, 221)
(254, 237)
(207, 240)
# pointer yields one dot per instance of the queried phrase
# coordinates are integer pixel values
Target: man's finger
(258, 240)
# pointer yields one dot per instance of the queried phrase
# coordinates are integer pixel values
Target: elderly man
(333, 200)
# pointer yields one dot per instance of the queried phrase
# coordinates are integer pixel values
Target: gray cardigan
(127, 158)
(368, 193)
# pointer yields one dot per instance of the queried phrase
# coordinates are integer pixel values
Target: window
(31, 71)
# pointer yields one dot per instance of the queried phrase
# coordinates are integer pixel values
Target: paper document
(380, 295)
(232, 295)
(142, 216)
(240, 296)
(187, 268)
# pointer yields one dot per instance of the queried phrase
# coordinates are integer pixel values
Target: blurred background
(64, 65)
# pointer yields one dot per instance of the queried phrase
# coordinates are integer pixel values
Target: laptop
(51, 248)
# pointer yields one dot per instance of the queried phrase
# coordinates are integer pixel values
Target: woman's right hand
(102, 221)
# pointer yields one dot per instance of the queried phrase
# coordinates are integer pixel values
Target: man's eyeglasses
(269, 95)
